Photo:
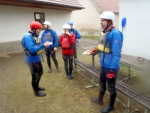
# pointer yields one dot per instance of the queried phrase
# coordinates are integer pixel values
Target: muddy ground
(63, 95)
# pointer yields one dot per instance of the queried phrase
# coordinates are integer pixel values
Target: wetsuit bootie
(40, 94)
(107, 109)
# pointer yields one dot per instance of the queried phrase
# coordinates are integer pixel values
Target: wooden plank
(132, 66)
(128, 87)
(89, 70)
(87, 67)
(145, 97)
(142, 101)
(125, 91)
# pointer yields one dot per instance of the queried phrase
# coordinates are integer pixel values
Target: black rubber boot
(67, 73)
(38, 87)
(40, 94)
(110, 107)
(69, 77)
(41, 88)
(50, 67)
(107, 109)
(70, 73)
(56, 64)
(99, 100)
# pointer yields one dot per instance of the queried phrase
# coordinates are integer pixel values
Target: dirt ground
(63, 95)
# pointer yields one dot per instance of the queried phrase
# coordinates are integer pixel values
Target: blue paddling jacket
(111, 60)
(51, 36)
(76, 33)
(32, 46)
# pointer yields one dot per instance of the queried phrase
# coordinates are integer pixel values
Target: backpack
(65, 43)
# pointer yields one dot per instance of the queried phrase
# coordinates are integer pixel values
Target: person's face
(38, 31)
(71, 26)
(46, 26)
(66, 30)
(103, 23)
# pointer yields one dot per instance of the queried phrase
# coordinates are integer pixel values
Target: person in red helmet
(33, 48)
(67, 41)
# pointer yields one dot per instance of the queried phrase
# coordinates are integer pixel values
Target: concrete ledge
(7, 48)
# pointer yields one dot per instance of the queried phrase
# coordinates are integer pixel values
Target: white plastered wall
(137, 31)
(86, 20)
(14, 21)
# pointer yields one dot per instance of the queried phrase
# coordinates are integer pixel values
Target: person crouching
(67, 41)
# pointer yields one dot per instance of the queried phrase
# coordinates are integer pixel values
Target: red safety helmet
(35, 25)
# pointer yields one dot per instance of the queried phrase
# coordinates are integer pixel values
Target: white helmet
(108, 15)
(66, 26)
(47, 23)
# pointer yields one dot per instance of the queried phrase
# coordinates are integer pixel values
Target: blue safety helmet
(70, 23)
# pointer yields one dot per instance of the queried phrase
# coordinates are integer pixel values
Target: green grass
(91, 37)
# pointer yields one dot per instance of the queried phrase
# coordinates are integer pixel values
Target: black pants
(110, 82)
(68, 60)
(36, 72)
(51, 53)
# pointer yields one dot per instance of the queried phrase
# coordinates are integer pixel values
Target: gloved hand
(94, 52)
(110, 74)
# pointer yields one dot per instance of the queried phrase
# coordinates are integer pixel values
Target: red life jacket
(65, 43)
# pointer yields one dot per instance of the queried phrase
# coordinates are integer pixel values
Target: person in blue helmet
(33, 48)
(50, 35)
(110, 46)
(77, 36)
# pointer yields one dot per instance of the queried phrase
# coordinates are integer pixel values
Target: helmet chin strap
(34, 32)
(109, 25)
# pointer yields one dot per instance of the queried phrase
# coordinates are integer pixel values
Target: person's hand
(110, 74)
(46, 44)
(94, 52)
(55, 48)
(68, 33)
